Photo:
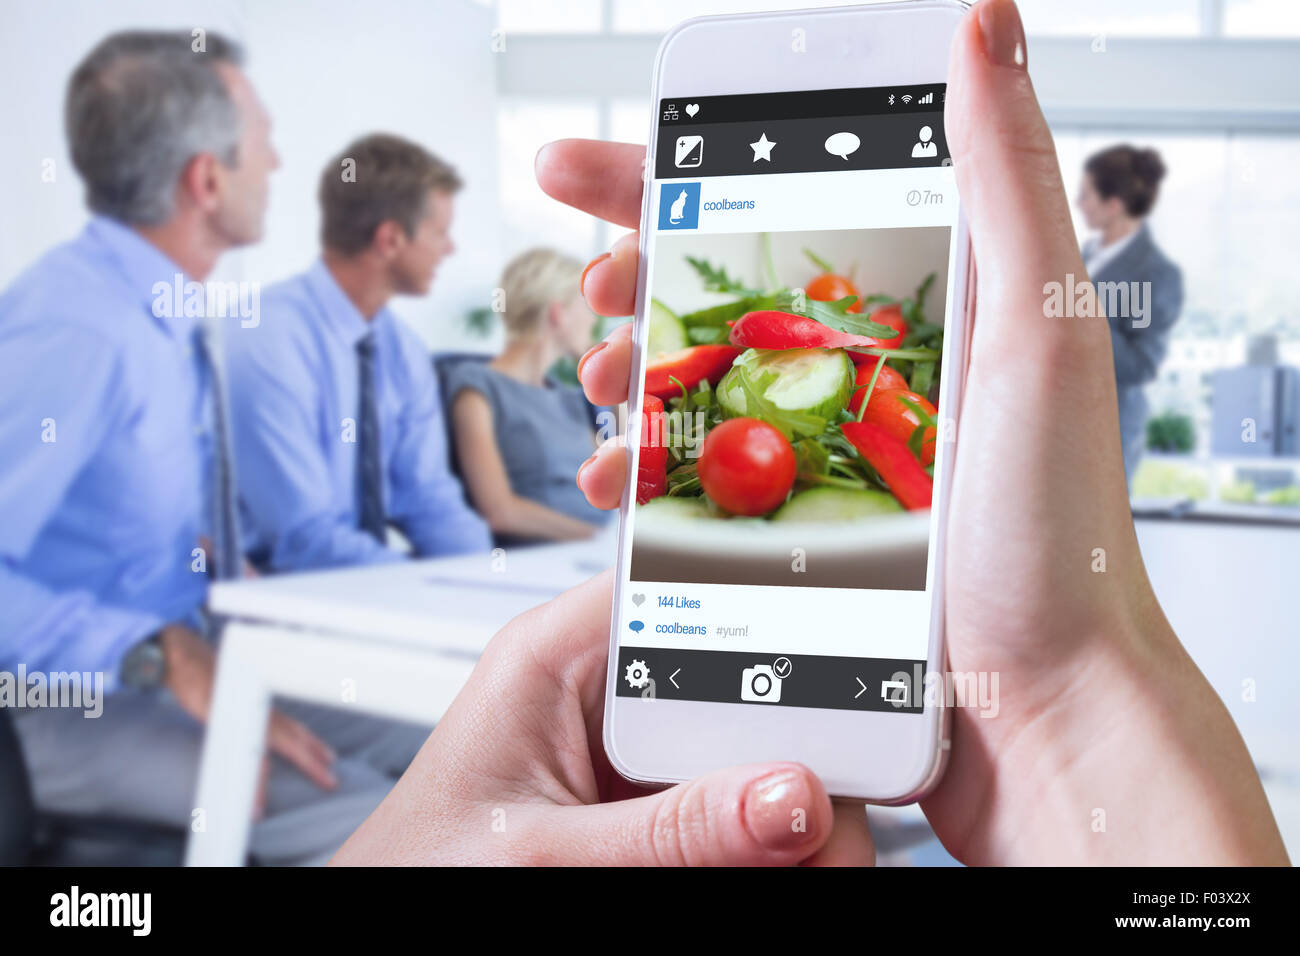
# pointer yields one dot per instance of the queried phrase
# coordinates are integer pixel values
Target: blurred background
(1212, 85)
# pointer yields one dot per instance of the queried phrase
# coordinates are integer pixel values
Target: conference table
(396, 640)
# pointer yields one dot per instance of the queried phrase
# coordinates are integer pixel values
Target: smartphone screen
(800, 272)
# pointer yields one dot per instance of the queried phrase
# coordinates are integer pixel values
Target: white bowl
(886, 551)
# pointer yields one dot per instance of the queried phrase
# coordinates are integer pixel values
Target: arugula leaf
(717, 279)
(922, 377)
(818, 261)
(916, 440)
(717, 316)
(811, 457)
(683, 482)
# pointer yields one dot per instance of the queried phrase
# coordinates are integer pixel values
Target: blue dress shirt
(294, 398)
(106, 442)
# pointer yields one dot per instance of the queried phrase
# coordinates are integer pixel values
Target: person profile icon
(678, 208)
(925, 148)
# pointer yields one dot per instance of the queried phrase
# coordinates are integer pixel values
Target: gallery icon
(679, 206)
(690, 152)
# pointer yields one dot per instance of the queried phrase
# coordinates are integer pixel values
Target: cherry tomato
(746, 466)
(888, 379)
(892, 316)
(828, 287)
(652, 461)
(888, 410)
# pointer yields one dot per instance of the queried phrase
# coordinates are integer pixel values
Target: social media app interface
(800, 279)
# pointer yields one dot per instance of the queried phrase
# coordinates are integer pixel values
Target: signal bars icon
(908, 97)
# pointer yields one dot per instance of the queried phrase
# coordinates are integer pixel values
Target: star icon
(763, 148)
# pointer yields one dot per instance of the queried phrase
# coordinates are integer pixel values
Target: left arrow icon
(672, 676)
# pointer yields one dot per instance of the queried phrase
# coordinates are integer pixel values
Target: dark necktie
(226, 561)
(370, 469)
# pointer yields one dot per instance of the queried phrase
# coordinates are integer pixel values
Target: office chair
(443, 363)
(30, 837)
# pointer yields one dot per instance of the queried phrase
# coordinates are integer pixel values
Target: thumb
(760, 815)
(1005, 164)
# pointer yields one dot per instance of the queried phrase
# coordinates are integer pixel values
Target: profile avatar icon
(678, 209)
(925, 149)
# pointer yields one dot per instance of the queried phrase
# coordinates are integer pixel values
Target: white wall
(328, 71)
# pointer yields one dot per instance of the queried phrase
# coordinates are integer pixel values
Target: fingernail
(589, 353)
(578, 479)
(772, 810)
(582, 283)
(1004, 35)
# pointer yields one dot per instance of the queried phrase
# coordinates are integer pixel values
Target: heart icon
(692, 109)
(638, 599)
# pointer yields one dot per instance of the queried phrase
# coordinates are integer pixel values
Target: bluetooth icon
(891, 99)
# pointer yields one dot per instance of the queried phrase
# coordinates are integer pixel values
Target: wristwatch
(144, 665)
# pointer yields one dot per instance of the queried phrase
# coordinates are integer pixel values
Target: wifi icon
(906, 97)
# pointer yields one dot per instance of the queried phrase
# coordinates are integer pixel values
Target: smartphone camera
(760, 684)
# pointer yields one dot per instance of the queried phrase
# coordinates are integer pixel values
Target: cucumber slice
(667, 333)
(675, 509)
(809, 381)
(837, 504)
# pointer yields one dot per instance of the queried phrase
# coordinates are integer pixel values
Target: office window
(1261, 18)
(530, 217)
(1156, 18)
(549, 16)
(638, 16)
(1225, 218)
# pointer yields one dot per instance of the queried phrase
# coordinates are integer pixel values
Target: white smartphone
(801, 327)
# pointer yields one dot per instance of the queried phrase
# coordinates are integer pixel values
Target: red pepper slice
(888, 379)
(652, 462)
(772, 329)
(894, 461)
(690, 366)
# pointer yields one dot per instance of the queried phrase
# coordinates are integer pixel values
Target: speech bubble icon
(843, 145)
(636, 626)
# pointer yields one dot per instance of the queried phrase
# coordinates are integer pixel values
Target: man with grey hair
(117, 491)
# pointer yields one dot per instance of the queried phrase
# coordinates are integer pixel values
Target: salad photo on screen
(804, 404)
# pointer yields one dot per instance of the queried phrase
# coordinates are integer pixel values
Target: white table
(397, 640)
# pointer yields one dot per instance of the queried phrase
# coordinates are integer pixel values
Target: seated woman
(519, 435)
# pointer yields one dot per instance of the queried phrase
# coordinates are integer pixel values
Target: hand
(1101, 707)
(515, 773)
(189, 673)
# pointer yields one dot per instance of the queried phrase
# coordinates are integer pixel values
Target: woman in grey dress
(520, 436)
(1118, 192)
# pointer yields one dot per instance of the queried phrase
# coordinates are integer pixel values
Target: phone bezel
(876, 757)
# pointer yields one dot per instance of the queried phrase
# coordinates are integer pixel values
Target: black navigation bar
(805, 104)
(766, 679)
(821, 144)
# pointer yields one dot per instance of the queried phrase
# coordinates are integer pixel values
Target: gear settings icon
(637, 674)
